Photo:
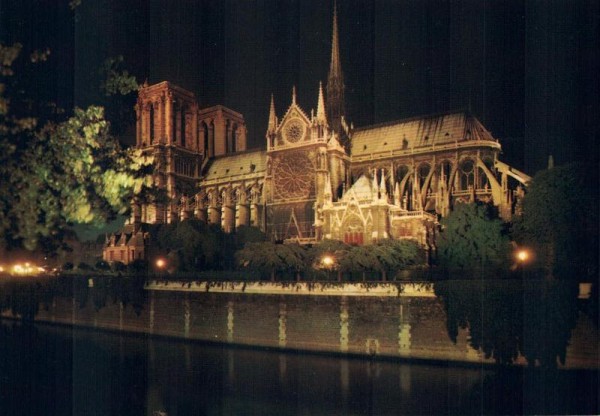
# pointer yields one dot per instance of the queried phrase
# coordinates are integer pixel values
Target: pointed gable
(361, 190)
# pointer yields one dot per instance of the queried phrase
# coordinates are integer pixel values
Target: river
(55, 370)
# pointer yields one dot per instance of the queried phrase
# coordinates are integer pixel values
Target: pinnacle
(321, 105)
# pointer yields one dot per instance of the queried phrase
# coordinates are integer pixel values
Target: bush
(84, 266)
(118, 266)
(102, 265)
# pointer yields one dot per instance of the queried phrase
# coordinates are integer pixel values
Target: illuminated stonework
(318, 177)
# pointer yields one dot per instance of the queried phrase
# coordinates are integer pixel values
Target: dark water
(48, 370)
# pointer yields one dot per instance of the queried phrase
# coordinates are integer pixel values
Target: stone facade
(318, 177)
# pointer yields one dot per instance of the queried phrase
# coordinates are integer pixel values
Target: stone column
(254, 215)
(195, 145)
(227, 211)
(214, 214)
(211, 140)
(229, 146)
(201, 135)
(220, 135)
(242, 214)
(169, 119)
(241, 136)
(199, 208)
(138, 126)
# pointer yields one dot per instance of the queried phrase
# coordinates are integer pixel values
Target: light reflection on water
(56, 371)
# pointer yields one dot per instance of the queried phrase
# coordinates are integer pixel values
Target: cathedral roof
(236, 166)
(418, 132)
(361, 190)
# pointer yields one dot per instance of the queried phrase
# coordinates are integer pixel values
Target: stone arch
(466, 173)
(354, 228)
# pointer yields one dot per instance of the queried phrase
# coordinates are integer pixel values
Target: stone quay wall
(393, 320)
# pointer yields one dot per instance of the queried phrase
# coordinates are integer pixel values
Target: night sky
(527, 69)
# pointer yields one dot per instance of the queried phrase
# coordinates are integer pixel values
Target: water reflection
(54, 371)
(509, 319)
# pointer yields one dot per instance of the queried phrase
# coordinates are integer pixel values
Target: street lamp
(523, 256)
(328, 263)
(160, 265)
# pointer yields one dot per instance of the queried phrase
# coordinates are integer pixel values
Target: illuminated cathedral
(319, 177)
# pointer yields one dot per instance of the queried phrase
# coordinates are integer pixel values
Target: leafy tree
(247, 234)
(508, 318)
(472, 238)
(336, 249)
(397, 254)
(57, 168)
(271, 258)
(560, 221)
(361, 259)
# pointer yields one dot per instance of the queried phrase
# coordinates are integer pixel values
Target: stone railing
(411, 289)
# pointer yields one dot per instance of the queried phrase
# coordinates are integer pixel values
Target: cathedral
(319, 177)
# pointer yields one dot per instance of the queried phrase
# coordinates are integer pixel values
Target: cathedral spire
(321, 117)
(272, 117)
(335, 81)
(294, 94)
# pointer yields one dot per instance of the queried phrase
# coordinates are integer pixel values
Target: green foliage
(397, 254)
(361, 259)
(193, 245)
(334, 248)
(272, 258)
(246, 234)
(56, 171)
(560, 221)
(473, 238)
(115, 79)
(508, 318)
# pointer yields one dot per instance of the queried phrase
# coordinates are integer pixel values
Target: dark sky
(528, 69)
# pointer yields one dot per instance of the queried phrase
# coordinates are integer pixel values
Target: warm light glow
(1, 269)
(26, 269)
(161, 263)
(522, 255)
(327, 261)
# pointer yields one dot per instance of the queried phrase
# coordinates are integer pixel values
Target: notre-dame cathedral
(319, 177)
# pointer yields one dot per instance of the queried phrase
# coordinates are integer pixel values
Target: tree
(272, 258)
(57, 168)
(397, 254)
(361, 259)
(334, 249)
(560, 221)
(473, 238)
